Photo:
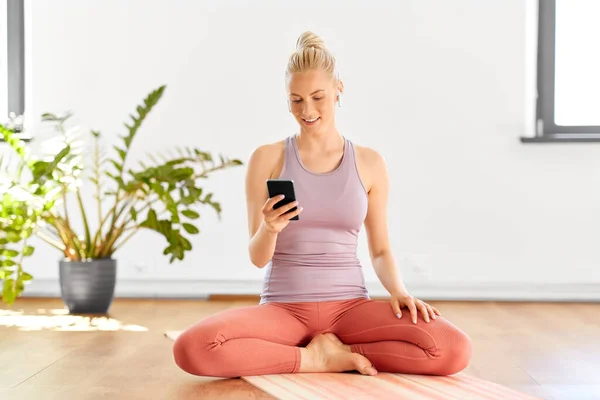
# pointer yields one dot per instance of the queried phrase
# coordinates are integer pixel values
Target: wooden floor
(551, 350)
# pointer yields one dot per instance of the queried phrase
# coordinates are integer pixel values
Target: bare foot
(326, 353)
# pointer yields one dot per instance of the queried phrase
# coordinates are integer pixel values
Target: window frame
(546, 129)
(3, 61)
(13, 60)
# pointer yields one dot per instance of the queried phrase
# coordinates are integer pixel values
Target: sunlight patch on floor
(61, 320)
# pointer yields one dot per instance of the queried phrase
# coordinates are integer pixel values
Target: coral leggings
(264, 339)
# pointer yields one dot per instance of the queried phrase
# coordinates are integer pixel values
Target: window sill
(563, 138)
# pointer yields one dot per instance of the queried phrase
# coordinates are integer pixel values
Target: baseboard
(202, 289)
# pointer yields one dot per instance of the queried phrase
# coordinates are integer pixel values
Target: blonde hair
(312, 53)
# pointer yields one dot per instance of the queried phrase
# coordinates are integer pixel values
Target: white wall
(439, 88)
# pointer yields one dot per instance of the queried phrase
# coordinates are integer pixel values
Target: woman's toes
(363, 365)
(368, 370)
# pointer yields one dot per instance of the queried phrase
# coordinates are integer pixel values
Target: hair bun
(308, 40)
(311, 54)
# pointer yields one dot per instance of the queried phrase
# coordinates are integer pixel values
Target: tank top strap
(348, 160)
(289, 157)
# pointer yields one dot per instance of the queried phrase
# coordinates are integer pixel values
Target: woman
(315, 314)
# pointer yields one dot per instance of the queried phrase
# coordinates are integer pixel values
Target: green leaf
(178, 252)
(176, 161)
(164, 226)
(13, 237)
(118, 166)
(191, 214)
(8, 293)
(157, 188)
(49, 117)
(19, 287)
(185, 244)
(149, 102)
(26, 276)
(28, 250)
(133, 213)
(172, 208)
(152, 219)
(7, 263)
(189, 228)
(57, 159)
(122, 153)
(9, 252)
(182, 174)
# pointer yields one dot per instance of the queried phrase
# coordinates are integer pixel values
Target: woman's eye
(316, 99)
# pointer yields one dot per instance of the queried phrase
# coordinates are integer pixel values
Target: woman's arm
(376, 224)
(262, 241)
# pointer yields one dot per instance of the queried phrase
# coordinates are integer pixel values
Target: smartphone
(286, 188)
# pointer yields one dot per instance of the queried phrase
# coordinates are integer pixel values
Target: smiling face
(312, 98)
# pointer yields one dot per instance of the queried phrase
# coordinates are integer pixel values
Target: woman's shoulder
(269, 148)
(367, 155)
(268, 156)
(371, 166)
(268, 151)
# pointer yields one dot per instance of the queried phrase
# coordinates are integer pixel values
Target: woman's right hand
(274, 219)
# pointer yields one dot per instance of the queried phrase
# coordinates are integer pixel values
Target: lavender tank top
(315, 258)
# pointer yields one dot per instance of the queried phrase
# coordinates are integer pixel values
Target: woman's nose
(308, 109)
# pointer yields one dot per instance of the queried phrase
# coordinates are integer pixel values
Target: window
(568, 72)
(12, 59)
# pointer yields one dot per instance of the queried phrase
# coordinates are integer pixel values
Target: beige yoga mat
(383, 386)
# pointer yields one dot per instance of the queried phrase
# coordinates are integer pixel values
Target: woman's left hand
(403, 299)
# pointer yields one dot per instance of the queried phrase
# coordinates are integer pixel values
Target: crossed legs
(299, 337)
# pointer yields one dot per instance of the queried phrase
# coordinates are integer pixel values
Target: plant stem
(131, 227)
(110, 237)
(49, 232)
(117, 247)
(97, 237)
(98, 176)
(64, 196)
(54, 222)
(127, 203)
(88, 239)
(69, 238)
(51, 241)
(148, 204)
(107, 249)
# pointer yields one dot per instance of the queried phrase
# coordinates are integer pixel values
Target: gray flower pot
(88, 287)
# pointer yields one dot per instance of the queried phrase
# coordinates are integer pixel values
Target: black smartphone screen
(286, 188)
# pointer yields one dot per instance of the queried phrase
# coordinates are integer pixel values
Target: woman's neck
(325, 141)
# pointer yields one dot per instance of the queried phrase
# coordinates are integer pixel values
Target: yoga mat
(383, 386)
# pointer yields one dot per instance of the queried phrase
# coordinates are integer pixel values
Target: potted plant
(33, 201)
